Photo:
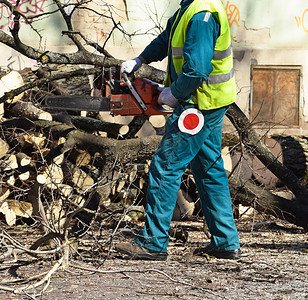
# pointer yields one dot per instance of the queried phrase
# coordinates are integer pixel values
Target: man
(200, 85)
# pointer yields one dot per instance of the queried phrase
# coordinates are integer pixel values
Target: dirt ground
(274, 265)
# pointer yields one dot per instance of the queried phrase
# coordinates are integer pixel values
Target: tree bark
(28, 110)
(90, 125)
(249, 194)
(253, 142)
(140, 149)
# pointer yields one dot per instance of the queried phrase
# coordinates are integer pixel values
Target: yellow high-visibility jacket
(219, 89)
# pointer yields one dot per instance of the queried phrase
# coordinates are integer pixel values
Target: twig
(29, 251)
(21, 280)
(45, 279)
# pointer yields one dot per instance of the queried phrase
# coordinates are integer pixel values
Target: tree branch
(253, 142)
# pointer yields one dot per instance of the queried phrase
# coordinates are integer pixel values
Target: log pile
(61, 170)
(49, 183)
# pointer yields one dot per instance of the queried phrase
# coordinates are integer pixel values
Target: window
(275, 95)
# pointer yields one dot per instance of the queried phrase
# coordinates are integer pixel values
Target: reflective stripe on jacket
(219, 88)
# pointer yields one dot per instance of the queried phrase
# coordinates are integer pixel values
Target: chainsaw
(117, 94)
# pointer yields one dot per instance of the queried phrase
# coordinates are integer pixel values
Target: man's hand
(131, 65)
(167, 98)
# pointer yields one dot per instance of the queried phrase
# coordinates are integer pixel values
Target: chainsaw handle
(134, 92)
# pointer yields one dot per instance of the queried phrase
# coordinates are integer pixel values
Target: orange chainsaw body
(124, 103)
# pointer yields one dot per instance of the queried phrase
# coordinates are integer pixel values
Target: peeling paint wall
(270, 33)
(285, 23)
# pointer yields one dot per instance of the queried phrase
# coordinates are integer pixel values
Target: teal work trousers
(203, 151)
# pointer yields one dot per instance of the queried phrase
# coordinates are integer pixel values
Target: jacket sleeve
(201, 36)
(157, 50)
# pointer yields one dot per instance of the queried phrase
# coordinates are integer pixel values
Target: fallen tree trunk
(253, 142)
(140, 149)
(249, 194)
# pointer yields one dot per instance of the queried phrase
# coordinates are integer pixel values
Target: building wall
(272, 33)
(267, 33)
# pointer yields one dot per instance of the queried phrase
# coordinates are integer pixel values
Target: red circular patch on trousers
(191, 121)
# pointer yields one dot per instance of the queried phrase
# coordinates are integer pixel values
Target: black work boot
(136, 251)
(227, 254)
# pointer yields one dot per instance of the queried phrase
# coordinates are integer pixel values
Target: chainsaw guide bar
(78, 103)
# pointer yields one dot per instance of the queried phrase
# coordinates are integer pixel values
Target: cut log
(81, 180)
(17, 141)
(4, 194)
(21, 208)
(56, 209)
(157, 121)
(28, 110)
(129, 195)
(90, 125)
(146, 130)
(65, 191)
(36, 141)
(13, 208)
(135, 125)
(58, 160)
(132, 172)
(55, 214)
(23, 159)
(80, 157)
(143, 168)
(141, 183)
(184, 206)
(107, 117)
(24, 176)
(121, 184)
(54, 176)
(124, 130)
(4, 148)
(10, 163)
(104, 193)
(10, 82)
(41, 179)
(225, 154)
(11, 181)
(61, 140)
(245, 211)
